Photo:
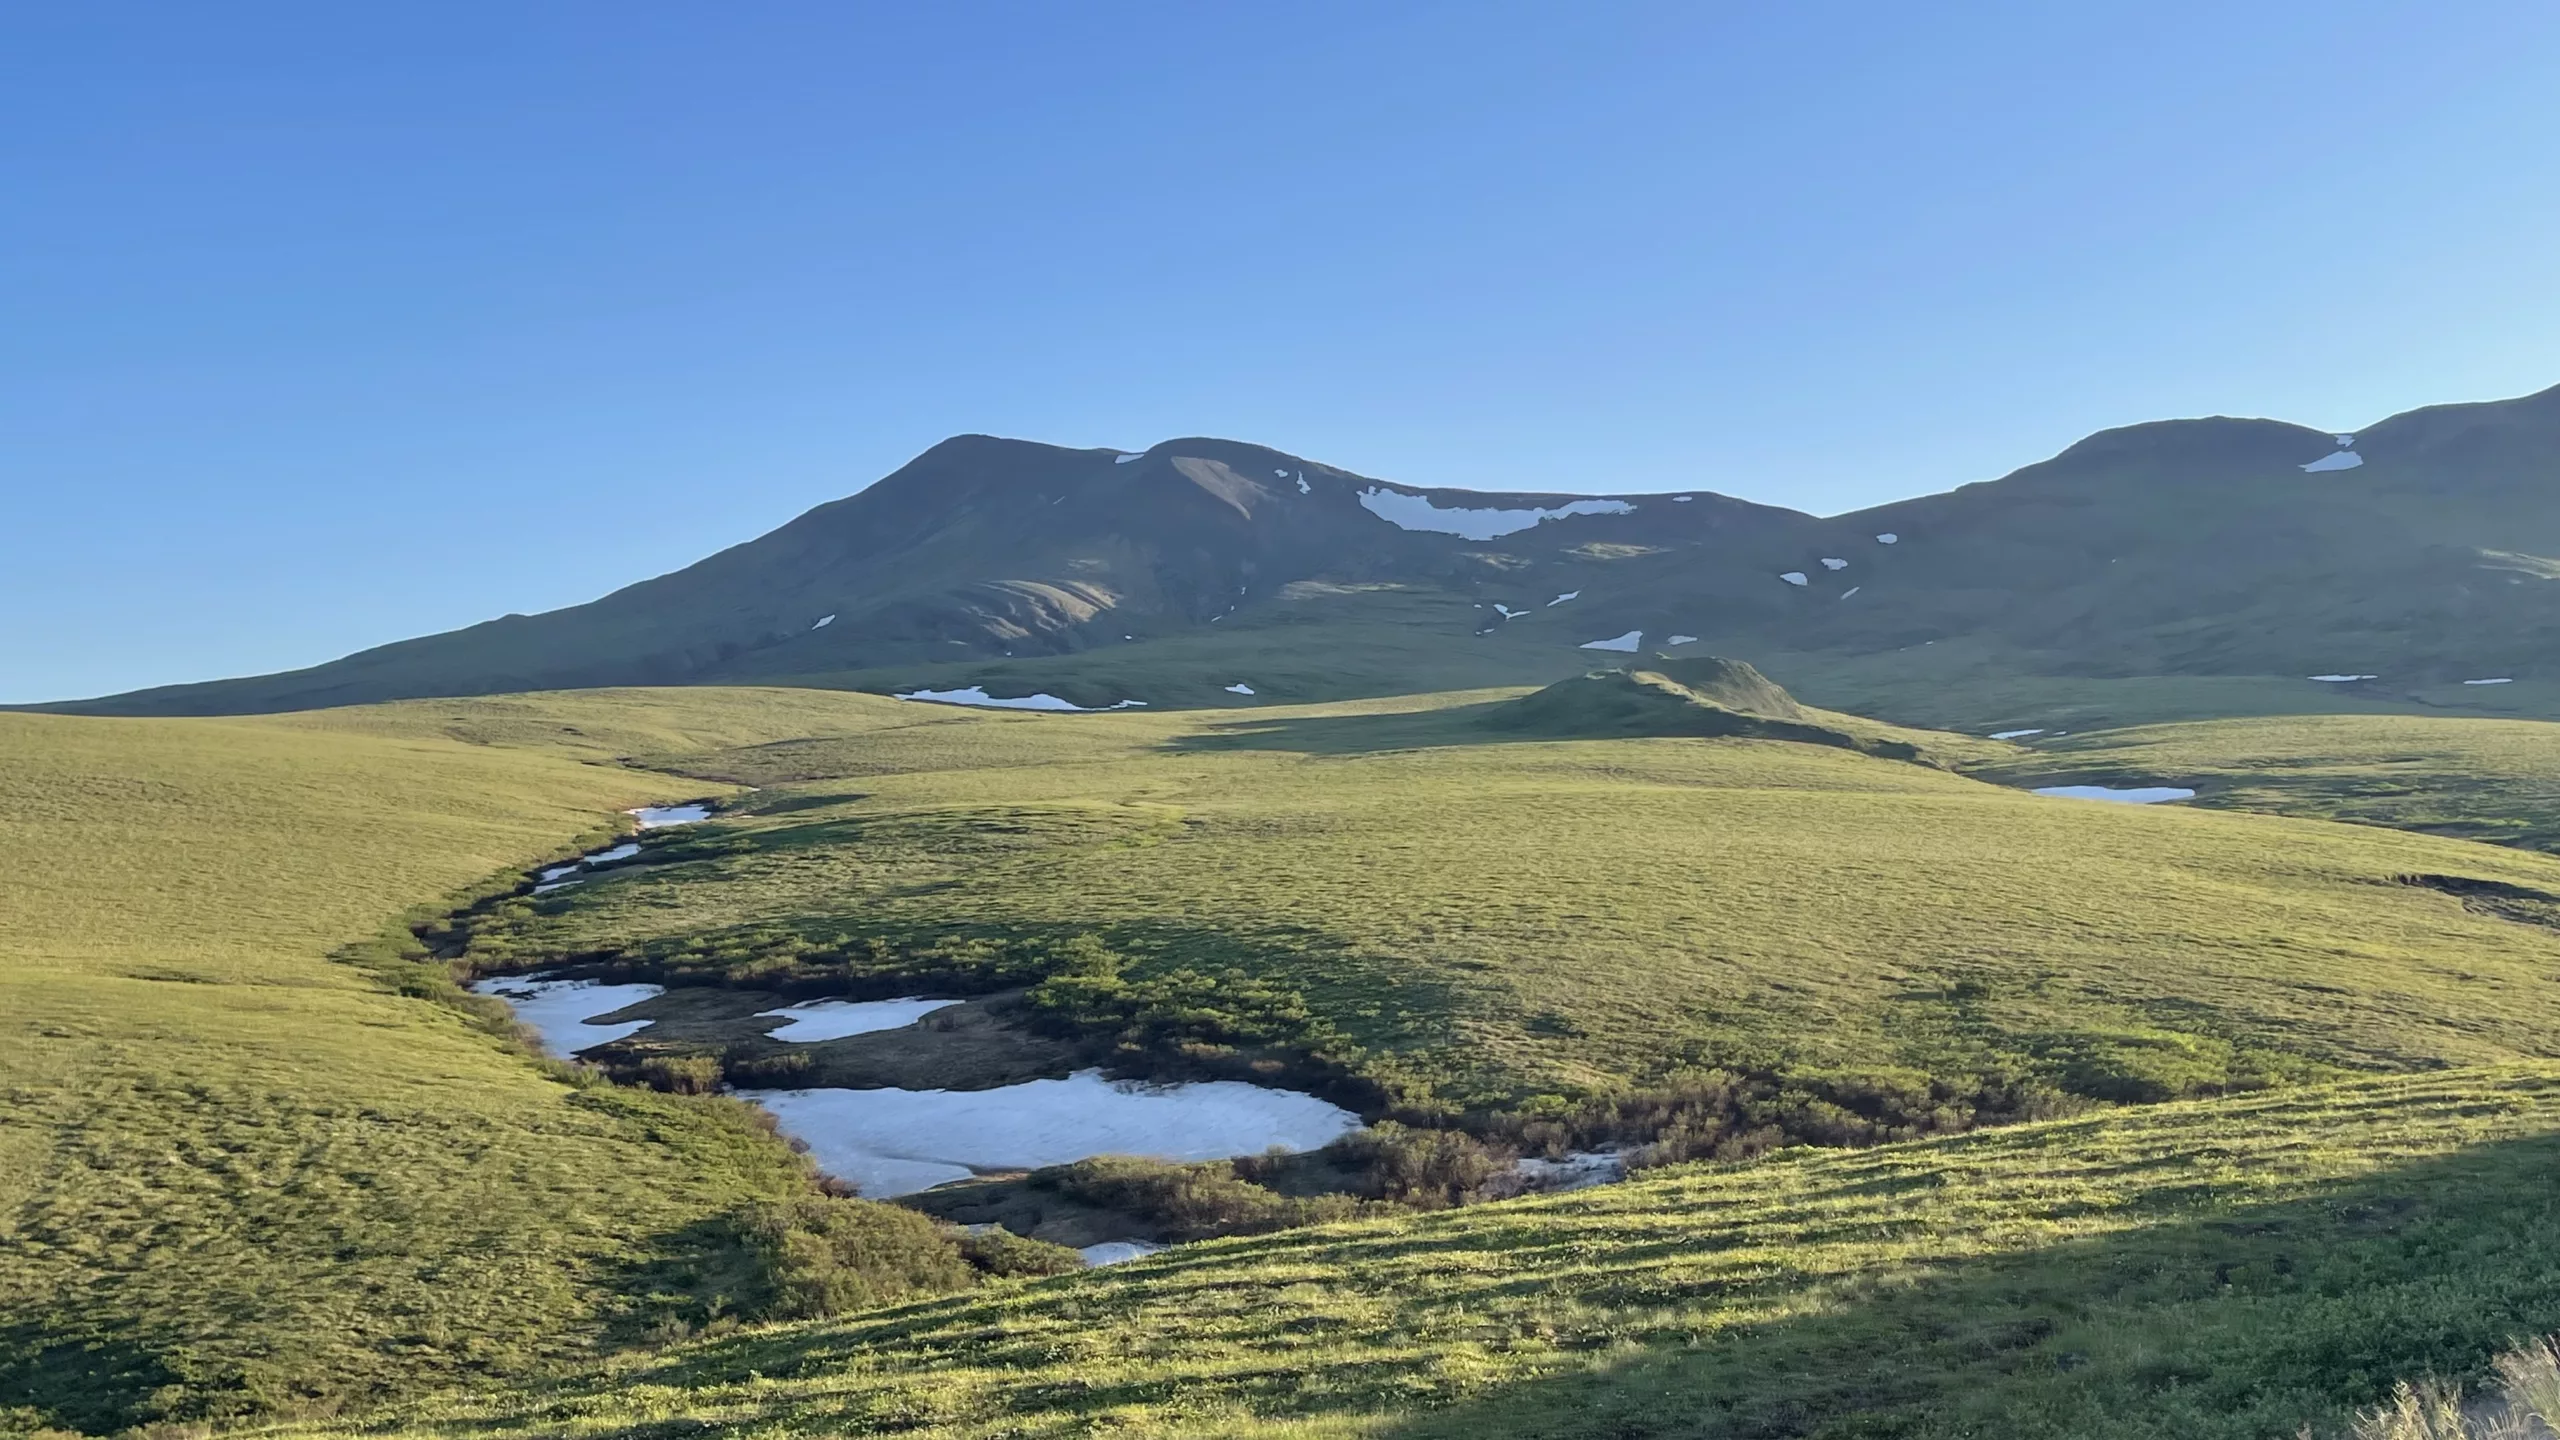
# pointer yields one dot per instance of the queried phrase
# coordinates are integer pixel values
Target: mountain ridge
(2212, 546)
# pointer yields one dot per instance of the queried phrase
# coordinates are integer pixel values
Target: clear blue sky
(325, 325)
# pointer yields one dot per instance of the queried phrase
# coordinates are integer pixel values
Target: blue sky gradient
(326, 325)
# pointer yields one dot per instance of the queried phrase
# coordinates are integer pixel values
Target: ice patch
(1684, 640)
(2139, 795)
(1795, 577)
(1416, 512)
(560, 1010)
(621, 852)
(1112, 1252)
(1568, 595)
(2502, 680)
(816, 1020)
(896, 1142)
(2335, 460)
(1830, 564)
(1239, 688)
(823, 622)
(1627, 642)
(977, 695)
(2343, 679)
(556, 871)
(658, 817)
(2016, 734)
(1888, 538)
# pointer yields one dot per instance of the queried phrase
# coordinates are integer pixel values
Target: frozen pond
(1579, 1170)
(651, 817)
(896, 1142)
(2138, 795)
(834, 1019)
(560, 1010)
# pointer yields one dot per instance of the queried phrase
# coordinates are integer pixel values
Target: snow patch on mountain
(1416, 512)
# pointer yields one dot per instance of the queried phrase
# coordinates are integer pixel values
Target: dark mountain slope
(2424, 550)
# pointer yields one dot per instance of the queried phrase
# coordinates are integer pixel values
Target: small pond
(2137, 795)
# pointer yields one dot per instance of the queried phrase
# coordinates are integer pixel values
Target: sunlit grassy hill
(1495, 917)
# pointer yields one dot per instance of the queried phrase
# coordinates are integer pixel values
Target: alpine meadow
(1604, 896)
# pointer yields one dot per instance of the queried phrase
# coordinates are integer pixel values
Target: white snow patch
(1627, 642)
(2139, 795)
(556, 871)
(2343, 679)
(1830, 564)
(1852, 590)
(823, 622)
(1684, 640)
(1568, 595)
(816, 1020)
(1127, 459)
(1416, 512)
(1283, 474)
(2016, 734)
(1507, 612)
(1682, 499)
(658, 817)
(1795, 577)
(1303, 487)
(977, 695)
(1112, 1252)
(560, 1011)
(2335, 460)
(616, 854)
(2344, 440)
(548, 886)
(895, 1142)
(1888, 538)
(1239, 688)
(2501, 680)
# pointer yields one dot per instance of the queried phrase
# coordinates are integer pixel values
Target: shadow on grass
(2246, 1323)
(2207, 1324)
(1359, 734)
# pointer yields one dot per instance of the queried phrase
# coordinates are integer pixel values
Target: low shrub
(824, 1256)
(1190, 1202)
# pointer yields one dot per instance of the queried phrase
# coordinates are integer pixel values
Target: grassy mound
(1504, 920)
(1704, 697)
(2203, 1271)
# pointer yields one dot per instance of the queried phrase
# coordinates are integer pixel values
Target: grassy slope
(2494, 780)
(1513, 918)
(236, 1173)
(2198, 1271)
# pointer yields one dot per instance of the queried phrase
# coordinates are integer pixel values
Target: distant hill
(1704, 696)
(2423, 549)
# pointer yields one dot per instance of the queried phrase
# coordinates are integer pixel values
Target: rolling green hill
(2422, 554)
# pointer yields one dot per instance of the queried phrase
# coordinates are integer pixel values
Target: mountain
(2421, 549)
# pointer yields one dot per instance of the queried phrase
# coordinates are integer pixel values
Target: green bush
(681, 1074)
(824, 1256)
(1422, 1169)
(1190, 1202)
